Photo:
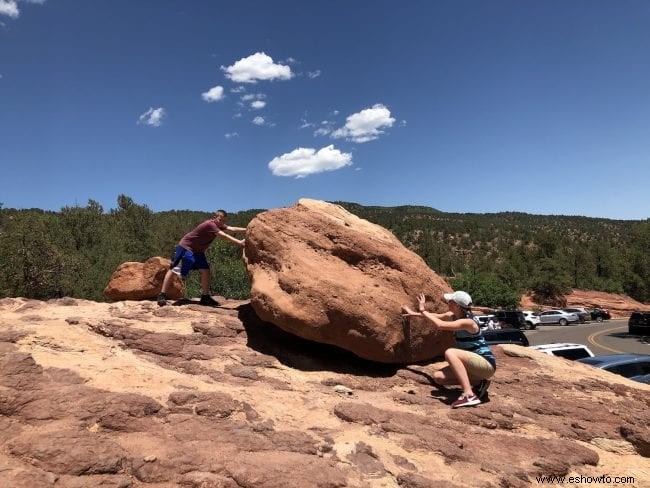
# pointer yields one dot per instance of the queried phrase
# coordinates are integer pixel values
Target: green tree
(132, 232)
(229, 275)
(487, 290)
(33, 266)
(550, 281)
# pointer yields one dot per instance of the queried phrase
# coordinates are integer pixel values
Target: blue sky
(465, 106)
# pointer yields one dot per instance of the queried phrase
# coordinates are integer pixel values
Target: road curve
(609, 337)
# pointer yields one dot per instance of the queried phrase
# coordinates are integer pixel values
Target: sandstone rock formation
(324, 274)
(619, 306)
(142, 281)
(132, 395)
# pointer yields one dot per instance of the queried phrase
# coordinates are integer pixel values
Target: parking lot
(608, 337)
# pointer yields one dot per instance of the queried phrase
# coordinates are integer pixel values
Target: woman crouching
(471, 361)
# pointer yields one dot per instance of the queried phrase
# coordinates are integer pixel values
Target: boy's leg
(203, 266)
(183, 259)
(167, 281)
(206, 299)
(205, 281)
(162, 297)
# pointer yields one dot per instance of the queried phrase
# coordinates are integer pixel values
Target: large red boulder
(142, 281)
(326, 275)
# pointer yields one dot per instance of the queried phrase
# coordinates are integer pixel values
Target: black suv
(505, 336)
(600, 314)
(639, 323)
(512, 318)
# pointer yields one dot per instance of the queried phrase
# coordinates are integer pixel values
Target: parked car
(600, 314)
(505, 336)
(633, 366)
(582, 314)
(482, 320)
(644, 378)
(639, 323)
(565, 350)
(511, 318)
(558, 317)
(532, 318)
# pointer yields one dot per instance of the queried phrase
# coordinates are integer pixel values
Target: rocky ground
(129, 394)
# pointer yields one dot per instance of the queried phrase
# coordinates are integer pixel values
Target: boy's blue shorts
(188, 260)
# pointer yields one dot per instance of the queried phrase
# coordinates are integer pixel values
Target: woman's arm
(460, 324)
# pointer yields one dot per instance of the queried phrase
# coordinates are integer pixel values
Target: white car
(558, 317)
(565, 350)
(482, 320)
(532, 319)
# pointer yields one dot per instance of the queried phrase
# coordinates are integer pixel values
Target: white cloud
(305, 124)
(258, 120)
(237, 89)
(313, 74)
(326, 127)
(257, 67)
(230, 135)
(253, 96)
(152, 117)
(9, 8)
(258, 104)
(214, 94)
(322, 131)
(305, 161)
(365, 126)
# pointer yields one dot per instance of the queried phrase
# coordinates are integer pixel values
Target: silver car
(558, 317)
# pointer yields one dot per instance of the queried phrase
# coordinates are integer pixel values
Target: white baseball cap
(462, 298)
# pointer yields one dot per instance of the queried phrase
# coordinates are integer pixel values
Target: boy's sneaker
(482, 388)
(162, 300)
(466, 401)
(208, 300)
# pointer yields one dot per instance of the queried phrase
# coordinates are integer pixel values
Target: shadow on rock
(305, 355)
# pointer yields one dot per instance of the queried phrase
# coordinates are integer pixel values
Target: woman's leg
(445, 377)
(457, 359)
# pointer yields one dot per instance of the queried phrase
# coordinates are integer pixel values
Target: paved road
(609, 337)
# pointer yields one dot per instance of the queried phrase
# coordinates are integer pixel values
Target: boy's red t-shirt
(200, 238)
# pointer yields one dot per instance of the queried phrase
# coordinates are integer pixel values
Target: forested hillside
(495, 257)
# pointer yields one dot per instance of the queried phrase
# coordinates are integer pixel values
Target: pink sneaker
(466, 401)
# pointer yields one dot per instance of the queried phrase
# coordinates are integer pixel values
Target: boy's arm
(236, 229)
(228, 237)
